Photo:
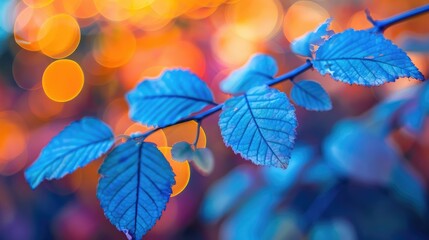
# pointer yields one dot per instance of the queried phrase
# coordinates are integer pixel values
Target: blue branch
(379, 26)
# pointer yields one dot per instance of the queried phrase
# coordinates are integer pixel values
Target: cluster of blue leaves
(135, 182)
(249, 200)
(136, 179)
(259, 123)
(357, 150)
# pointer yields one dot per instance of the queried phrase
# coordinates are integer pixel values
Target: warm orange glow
(201, 13)
(255, 19)
(185, 132)
(27, 26)
(63, 80)
(157, 137)
(59, 36)
(113, 10)
(80, 8)
(302, 17)
(151, 62)
(114, 47)
(43, 107)
(230, 48)
(181, 169)
(149, 20)
(12, 138)
(359, 22)
(37, 3)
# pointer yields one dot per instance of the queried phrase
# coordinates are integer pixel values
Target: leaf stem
(379, 26)
(197, 137)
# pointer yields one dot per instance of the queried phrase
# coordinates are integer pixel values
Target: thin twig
(379, 26)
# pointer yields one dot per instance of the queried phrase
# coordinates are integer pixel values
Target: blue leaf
(408, 187)
(357, 152)
(134, 187)
(182, 151)
(174, 95)
(305, 44)
(311, 96)
(256, 72)
(417, 108)
(260, 125)
(77, 145)
(250, 220)
(203, 160)
(226, 193)
(363, 58)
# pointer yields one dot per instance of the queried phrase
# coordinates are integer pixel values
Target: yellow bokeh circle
(114, 47)
(63, 80)
(37, 3)
(302, 17)
(255, 19)
(59, 36)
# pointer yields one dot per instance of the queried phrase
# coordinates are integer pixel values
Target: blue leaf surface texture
(77, 145)
(305, 44)
(260, 125)
(363, 58)
(174, 95)
(311, 96)
(256, 72)
(134, 187)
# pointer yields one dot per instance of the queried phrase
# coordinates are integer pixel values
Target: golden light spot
(114, 47)
(302, 17)
(149, 20)
(200, 13)
(170, 8)
(113, 10)
(185, 132)
(80, 8)
(230, 48)
(37, 3)
(63, 80)
(157, 137)
(27, 26)
(180, 169)
(12, 138)
(59, 36)
(255, 19)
